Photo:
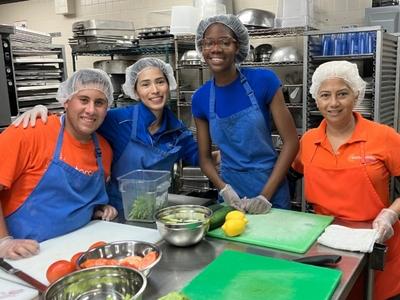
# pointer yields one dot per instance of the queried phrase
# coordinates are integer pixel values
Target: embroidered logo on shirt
(369, 159)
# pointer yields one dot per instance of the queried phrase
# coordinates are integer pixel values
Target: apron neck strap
(60, 139)
(246, 86)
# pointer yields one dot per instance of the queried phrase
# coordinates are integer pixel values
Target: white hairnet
(232, 22)
(86, 79)
(338, 69)
(133, 71)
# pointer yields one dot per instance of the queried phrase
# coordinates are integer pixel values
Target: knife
(20, 274)
(319, 260)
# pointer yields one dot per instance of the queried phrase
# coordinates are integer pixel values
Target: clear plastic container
(295, 13)
(143, 193)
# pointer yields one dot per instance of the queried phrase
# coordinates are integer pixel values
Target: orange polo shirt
(381, 147)
(26, 153)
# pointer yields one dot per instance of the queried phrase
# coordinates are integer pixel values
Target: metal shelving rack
(38, 74)
(381, 67)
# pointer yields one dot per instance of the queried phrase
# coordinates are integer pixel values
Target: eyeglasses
(223, 43)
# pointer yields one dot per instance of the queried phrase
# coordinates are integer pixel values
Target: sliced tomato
(148, 259)
(97, 244)
(131, 261)
(98, 262)
(59, 269)
(75, 257)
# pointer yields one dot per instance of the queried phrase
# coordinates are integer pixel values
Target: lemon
(234, 227)
(235, 214)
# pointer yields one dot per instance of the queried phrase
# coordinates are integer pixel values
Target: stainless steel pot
(115, 66)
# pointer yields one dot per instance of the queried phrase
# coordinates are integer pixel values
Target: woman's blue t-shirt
(232, 98)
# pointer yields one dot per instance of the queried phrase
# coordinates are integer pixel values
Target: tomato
(147, 260)
(75, 257)
(97, 244)
(131, 261)
(59, 269)
(93, 262)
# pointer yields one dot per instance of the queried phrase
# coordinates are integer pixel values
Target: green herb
(142, 208)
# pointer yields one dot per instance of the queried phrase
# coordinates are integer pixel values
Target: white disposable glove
(384, 224)
(231, 197)
(30, 116)
(257, 205)
(106, 213)
(15, 249)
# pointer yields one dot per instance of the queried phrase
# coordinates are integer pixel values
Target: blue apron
(246, 149)
(63, 200)
(139, 155)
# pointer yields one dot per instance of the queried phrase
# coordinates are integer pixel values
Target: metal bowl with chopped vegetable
(105, 282)
(142, 256)
(183, 225)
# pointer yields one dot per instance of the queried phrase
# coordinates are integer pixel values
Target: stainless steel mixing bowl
(105, 282)
(122, 249)
(256, 18)
(285, 54)
(183, 225)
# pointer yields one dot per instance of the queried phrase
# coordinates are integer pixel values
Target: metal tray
(127, 34)
(103, 24)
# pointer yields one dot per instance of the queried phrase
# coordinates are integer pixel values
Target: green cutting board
(242, 276)
(280, 229)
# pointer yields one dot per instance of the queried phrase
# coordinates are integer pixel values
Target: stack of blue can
(348, 43)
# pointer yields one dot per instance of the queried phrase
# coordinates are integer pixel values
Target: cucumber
(218, 217)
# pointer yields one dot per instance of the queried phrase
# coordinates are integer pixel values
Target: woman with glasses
(233, 110)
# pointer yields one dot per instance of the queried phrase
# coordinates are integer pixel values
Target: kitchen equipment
(256, 18)
(143, 193)
(153, 32)
(240, 276)
(183, 225)
(263, 52)
(114, 66)
(122, 249)
(294, 13)
(203, 4)
(8, 95)
(319, 260)
(64, 247)
(10, 290)
(194, 179)
(285, 54)
(251, 56)
(22, 275)
(184, 20)
(116, 69)
(190, 57)
(105, 282)
(280, 229)
(103, 27)
(295, 93)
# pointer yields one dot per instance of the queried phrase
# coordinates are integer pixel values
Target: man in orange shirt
(52, 178)
(347, 163)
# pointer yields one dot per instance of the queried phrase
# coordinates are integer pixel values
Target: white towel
(345, 238)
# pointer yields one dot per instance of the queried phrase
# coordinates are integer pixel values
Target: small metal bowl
(122, 249)
(105, 282)
(183, 225)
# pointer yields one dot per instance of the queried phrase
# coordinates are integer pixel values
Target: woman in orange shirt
(347, 163)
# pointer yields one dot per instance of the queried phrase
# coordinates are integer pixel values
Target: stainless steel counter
(179, 265)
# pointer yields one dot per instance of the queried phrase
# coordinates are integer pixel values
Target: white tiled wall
(40, 14)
